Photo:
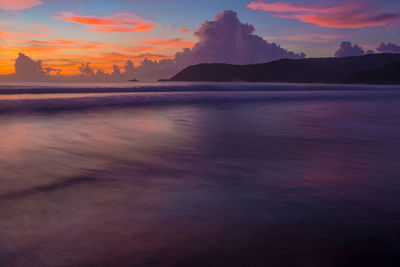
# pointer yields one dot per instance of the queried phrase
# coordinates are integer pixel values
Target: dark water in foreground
(281, 179)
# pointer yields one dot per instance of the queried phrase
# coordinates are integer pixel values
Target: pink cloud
(43, 28)
(140, 49)
(9, 34)
(56, 45)
(120, 22)
(307, 37)
(175, 42)
(346, 14)
(19, 4)
(184, 30)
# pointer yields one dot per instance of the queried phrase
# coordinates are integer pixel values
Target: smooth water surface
(281, 179)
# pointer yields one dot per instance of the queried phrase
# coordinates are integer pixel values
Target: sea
(199, 174)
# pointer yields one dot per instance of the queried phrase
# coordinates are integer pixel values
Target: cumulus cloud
(227, 40)
(19, 4)
(85, 69)
(116, 70)
(344, 14)
(120, 22)
(224, 40)
(389, 48)
(28, 69)
(347, 49)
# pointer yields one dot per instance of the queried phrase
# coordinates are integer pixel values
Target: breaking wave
(48, 97)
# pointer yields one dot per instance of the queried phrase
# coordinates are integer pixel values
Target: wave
(60, 185)
(179, 98)
(74, 88)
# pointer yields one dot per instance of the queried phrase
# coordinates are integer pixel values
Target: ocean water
(199, 175)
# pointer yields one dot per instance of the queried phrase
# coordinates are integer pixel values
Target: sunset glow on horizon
(65, 34)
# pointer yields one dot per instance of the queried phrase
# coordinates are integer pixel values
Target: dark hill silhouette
(390, 73)
(376, 68)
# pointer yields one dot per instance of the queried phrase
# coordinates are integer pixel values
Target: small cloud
(174, 42)
(120, 22)
(347, 14)
(184, 30)
(140, 49)
(43, 28)
(43, 31)
(348, 50)
(9, 34)
(19, 4)
(389, 48)
(85, 69)
(56, 45)
(307, 37)
(53, 42)
(49, 70)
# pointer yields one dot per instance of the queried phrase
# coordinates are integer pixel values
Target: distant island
(368, 69)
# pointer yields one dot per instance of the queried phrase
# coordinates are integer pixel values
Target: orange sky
(101, 55)
(64, 34)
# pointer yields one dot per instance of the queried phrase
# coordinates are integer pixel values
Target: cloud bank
(345, 14)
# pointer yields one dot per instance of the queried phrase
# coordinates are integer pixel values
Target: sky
(65, 34)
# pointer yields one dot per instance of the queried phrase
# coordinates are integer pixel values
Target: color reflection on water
(299, 183)
(54, 96)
